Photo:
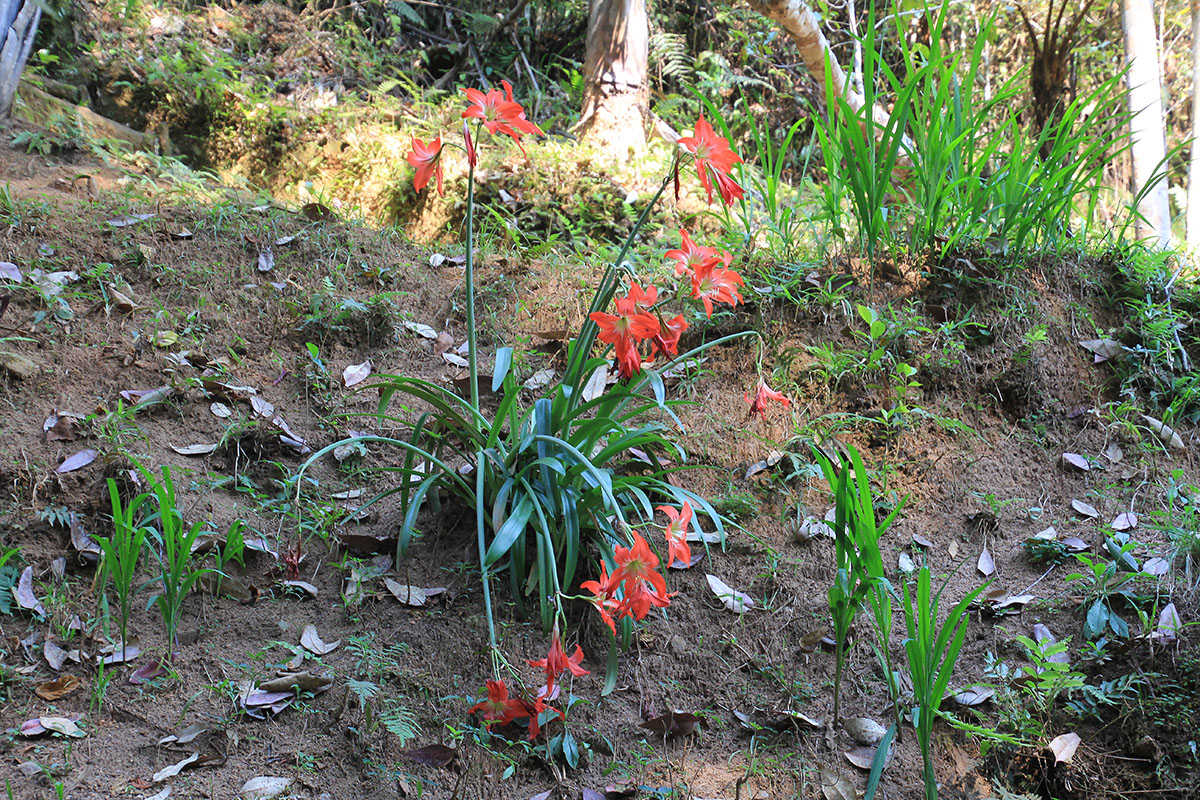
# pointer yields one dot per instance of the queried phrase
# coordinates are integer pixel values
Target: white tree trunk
(18, 26)
(1149, 145)
(795, 17)
(1193, 196)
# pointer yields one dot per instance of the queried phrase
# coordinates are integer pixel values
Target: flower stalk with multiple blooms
(630, 582)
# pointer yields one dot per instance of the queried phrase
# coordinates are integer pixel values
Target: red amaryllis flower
(556, 662)
(427, 158)
(677, 546)
(637, 569)
(689, 255)
(714, 282)
(499, 707)
(762, 397)
(604, 598)
(500, 113)
(632, 323)
(667, 340)
(713, 159)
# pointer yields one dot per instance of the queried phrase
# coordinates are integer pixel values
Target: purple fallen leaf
(10, 272)
(266, 260)
(148, 672)
(1077, 461)
(356, 373)
(432, 755)
(32, 727)
(1084, 509)
(257, 698)
(26, 599)
(120, 655)
(77, 461)
(1073, 544)
(986, 564)
(1125, 521)
(696, 559)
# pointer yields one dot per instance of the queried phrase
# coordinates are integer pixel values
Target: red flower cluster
(498, 112)
(714, 161)
(636, 319)
(638, 580)
(634, 322)
(500, 709)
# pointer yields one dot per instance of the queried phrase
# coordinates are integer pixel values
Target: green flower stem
(604, 294)
(469, 278)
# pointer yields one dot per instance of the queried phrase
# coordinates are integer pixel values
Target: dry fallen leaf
(23, 592)
(1077, 461)
(540, 379)
(1164, 432)
(174, 769)
(973, 695)
(264, 787)
(1156, 566)
(1103, 349)
(672, 724)
(63, 726)
(432, 755)
(311, 641)
(194, 449)
(1125, 521)
(1064, 746)
(1084, 509)
(986, 564)
(77, 461)
(836, 787)
(58, 688)
(55, 656)
(864, 730)
(420, 329)
(185, 736)
(356, 373)
(1168, 626)
(735, 601)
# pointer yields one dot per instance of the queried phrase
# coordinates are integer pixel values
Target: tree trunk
(18, 27)
(1193, 196)
(616, 90)
(1148, 137)
(795, 17)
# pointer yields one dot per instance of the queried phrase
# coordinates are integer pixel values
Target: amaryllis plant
(578, 472)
